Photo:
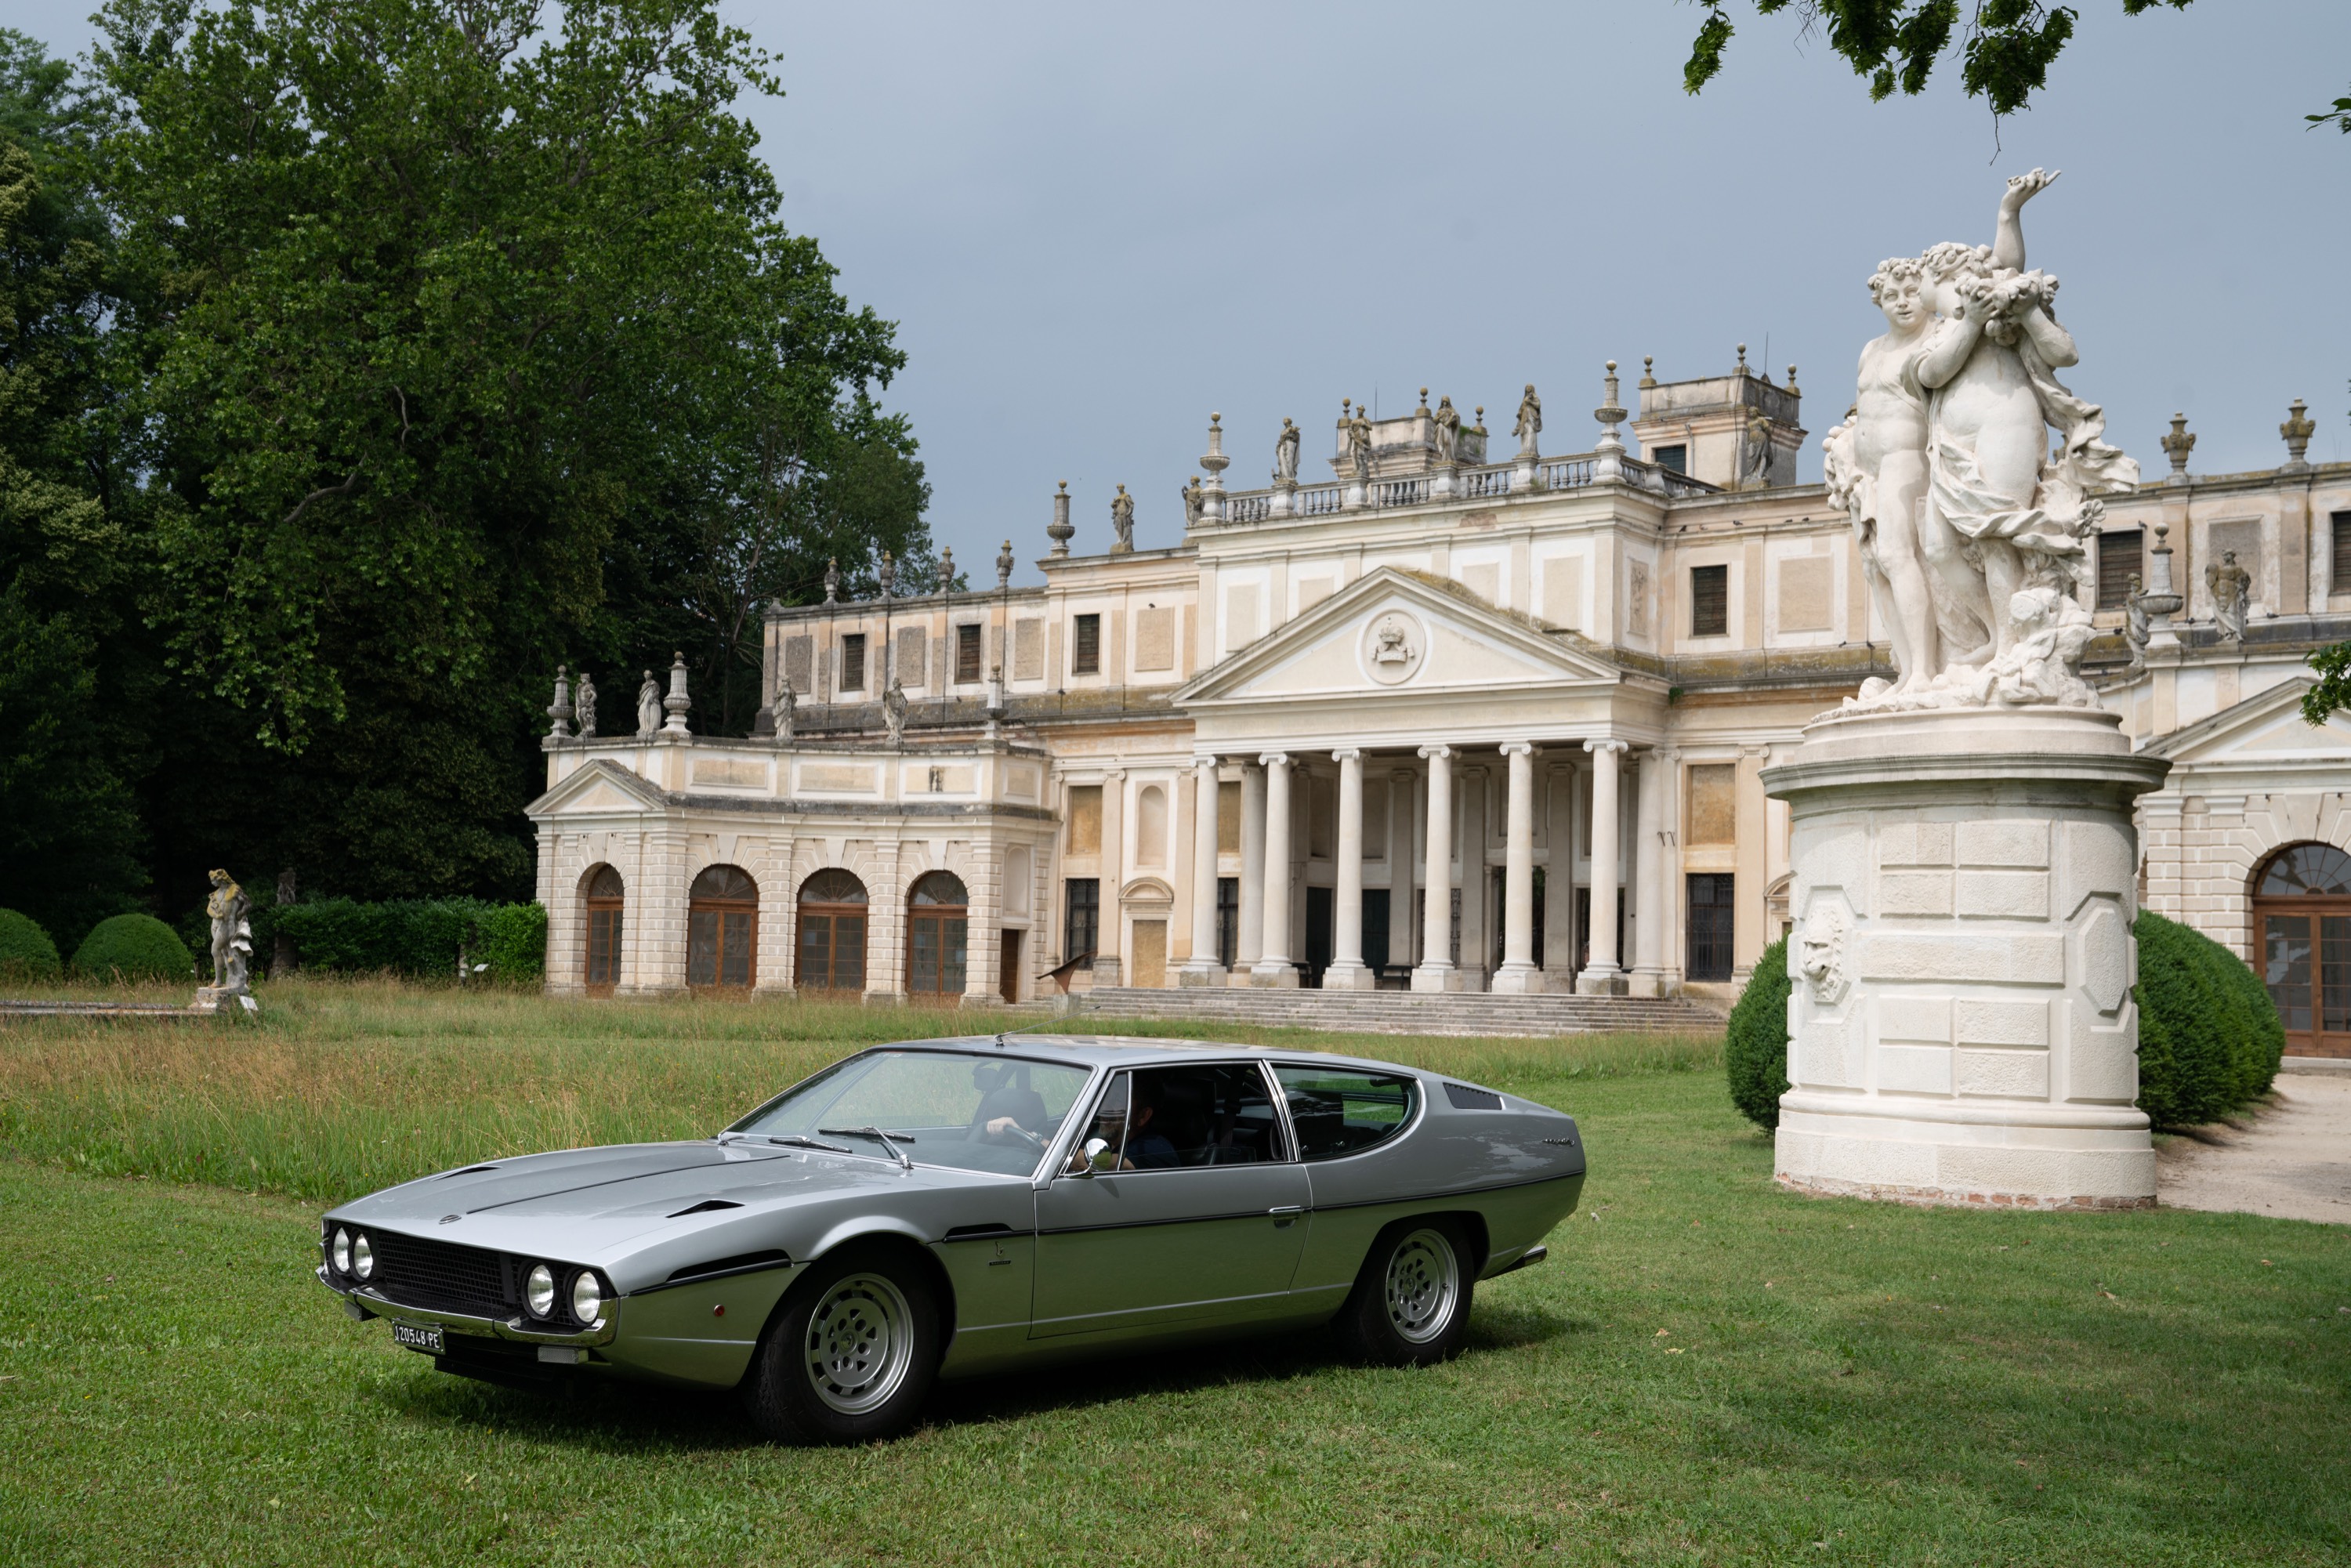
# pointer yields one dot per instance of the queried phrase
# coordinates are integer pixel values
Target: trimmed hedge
(1756, 1054)
(134, 948)
(2209, 1036)
(419, 937)
(25, 951)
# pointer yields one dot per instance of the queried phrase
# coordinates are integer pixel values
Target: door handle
(1288, 1208)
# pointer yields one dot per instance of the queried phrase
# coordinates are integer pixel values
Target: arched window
(938, 935)
(604, 896)
(2302, 921)
(832, 932)
(721, 928)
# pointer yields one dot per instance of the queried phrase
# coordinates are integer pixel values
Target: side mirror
(1085, 1161)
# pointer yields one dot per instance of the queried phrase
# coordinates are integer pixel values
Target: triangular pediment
(603, 786)
(2267, 727)
(1392, 631)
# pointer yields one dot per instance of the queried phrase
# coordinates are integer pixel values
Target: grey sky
(1094, 224)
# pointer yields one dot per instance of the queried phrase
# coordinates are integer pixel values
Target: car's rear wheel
(849, 1356)
(1410, 1306)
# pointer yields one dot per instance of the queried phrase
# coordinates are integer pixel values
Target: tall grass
(343, 1086)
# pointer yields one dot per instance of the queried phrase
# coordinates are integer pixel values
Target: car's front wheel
(849, 1356)
(1410, 1306)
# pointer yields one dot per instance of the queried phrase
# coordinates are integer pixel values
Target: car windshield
(971, 1111)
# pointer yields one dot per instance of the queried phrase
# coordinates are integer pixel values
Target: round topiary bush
(2209, 1036)
(25, 951)
(133, 948)
(1756, 1054)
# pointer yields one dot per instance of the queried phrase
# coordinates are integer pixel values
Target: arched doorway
(938, 935)
(604, 897)
(832, 933)
(2302, 919)
(721, 928)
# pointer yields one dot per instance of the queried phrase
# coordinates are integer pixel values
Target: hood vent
(469, 1170)
(707, 1206)
(1464, 1098)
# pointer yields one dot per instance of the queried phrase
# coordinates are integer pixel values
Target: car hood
(635, 1186)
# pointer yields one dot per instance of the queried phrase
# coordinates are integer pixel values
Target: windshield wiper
(795, 1140)
(896, 1153)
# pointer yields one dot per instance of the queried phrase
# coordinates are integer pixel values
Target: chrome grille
(443, 1275)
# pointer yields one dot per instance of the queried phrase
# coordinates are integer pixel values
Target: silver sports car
(951, 1208)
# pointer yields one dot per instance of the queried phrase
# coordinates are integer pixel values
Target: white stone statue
(2232, 591)
(1359, 444)
(229, 910)
(1447, 426)
(1970, 529)
(1529, 424)
(649, 706)
(894, 711)
(1192, 502)
(585, 703)
(1122, 521)
(1285, 455)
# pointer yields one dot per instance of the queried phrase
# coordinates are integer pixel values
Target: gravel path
(2293, 1162)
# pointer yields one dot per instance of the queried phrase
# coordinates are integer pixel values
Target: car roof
(1129, 1051)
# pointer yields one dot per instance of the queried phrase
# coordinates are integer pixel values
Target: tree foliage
(363, 360)
(2005, 46)
(1755, 1053)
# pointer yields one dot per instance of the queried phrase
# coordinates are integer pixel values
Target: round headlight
(342, 1251)
(362, 1256)
(539, 1290)
(587, 1297)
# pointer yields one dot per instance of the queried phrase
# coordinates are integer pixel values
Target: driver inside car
(1009, 1107)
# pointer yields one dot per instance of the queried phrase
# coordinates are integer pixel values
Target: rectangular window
(967, 652)
(1228, 919)
(2339, 577)
(1709, 925)
(1710, 602)
(1082, 927)
(1085, 646)
(852, 662)
(1228, 818)
(2121, 557)
(1674, 459)
(1713, 804)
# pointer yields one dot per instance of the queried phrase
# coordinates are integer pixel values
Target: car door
(1194, 1214)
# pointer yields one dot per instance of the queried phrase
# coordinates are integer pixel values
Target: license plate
(416, 1338)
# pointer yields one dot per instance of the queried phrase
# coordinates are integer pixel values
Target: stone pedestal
(1961, 1029)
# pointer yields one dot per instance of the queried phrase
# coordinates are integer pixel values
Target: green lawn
(1706, 1371)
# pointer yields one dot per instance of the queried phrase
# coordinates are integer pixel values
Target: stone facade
(1589, 660)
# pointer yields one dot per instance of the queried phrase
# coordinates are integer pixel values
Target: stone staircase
(1406, 1012)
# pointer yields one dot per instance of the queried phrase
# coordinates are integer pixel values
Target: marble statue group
(1970, 525)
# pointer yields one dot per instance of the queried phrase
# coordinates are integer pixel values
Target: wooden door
(1007, 967)
(1150, 954)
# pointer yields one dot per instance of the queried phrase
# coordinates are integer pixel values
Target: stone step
(1404, 1012)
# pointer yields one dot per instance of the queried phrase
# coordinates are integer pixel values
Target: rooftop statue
(894, 711)
(1359, 443)
(1191, 493)
(585, 703)
(2232, 591)
(649, 706)
(1447, 426)
(1529, 424)
(1970, 529)
(1122, 521)
(1285, 455)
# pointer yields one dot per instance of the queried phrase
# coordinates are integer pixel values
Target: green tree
(69, 836)
(467, 333)
(2005, 46)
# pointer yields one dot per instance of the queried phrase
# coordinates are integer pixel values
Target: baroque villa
(1440, 724)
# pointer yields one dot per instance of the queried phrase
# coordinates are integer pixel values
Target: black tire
(850, 1355)
(1410, 1306)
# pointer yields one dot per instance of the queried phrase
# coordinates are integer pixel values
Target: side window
(1168, 1118)
(1339, 1110)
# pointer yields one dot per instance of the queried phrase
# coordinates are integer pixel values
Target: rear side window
(1338, 1111)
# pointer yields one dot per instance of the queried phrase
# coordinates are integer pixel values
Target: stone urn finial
(678, 702)
(559, 710)
(2176, 447)
(1004, 566)
(833, 581)
(947, 569)
(1648, 369)
(2298, 428)
(1791, 383)
(1060, 529)
(888, 573)
(1741, 368)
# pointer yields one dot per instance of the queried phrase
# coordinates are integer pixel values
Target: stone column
(1961, 1029)
(1651, 898)
(1273, 967)
(1202, 967)
(1348, 971)
(1249, 941)
(1519, 975)
(1108, 941)
(1747, 937)
(1602, 976)
(1435, 971)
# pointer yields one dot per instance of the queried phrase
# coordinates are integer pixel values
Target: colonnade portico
(1302, 836)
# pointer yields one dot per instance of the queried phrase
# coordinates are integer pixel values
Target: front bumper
(364, 1303)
